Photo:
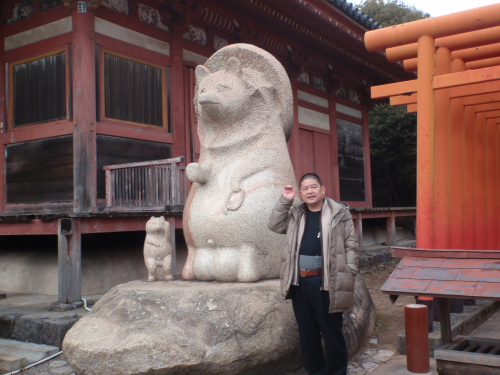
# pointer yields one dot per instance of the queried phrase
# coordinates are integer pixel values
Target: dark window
(40, 171)
(351, 161)
(40, 90)
(132, 91)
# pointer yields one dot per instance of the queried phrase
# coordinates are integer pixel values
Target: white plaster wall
(37, 34)
(314, 99)
(192, 56)
(348, 110)
(314, 118)
(32, 271)
(129, 36)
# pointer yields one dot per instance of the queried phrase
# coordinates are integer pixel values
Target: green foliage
(393, 143)
(393, 132)
(391, 12)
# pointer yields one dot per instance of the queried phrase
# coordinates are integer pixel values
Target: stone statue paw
(248, 268)
(235, 200)
(196, 173)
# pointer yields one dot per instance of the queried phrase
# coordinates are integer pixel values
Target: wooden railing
(149, 184)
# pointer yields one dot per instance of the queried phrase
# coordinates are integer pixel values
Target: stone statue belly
(234, 245)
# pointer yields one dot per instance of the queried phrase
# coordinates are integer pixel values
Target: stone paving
(56, 366)
(367, 362)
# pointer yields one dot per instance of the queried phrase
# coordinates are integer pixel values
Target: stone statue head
(242, 87)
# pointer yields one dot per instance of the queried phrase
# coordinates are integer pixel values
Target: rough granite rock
(244, 103)
(190, 327)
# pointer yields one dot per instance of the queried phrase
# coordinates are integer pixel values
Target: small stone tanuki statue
(243, 99)
(158, 249)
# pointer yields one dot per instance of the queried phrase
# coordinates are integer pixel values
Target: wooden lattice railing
(149, 184)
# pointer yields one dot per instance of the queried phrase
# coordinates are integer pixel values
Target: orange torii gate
(457, 98)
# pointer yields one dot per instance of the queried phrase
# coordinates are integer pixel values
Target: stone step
(11, 362)
(32, 352)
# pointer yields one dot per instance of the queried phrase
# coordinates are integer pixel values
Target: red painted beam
(29, 227)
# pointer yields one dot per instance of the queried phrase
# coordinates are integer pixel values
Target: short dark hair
(310, 176)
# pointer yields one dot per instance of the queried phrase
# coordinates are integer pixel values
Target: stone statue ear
(233, 66)
(201, 73)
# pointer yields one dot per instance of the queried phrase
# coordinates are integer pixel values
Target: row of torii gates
(457, 99)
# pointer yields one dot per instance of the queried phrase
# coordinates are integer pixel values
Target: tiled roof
(357, 14)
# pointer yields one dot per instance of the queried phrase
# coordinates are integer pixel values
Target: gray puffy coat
(339, 247)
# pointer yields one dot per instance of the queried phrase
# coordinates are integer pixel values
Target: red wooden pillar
(3, 128)
(457, 129)
(491, 187)
(294, 141)
(334, 147)
(177, 90)
(442, 170)
(425, 143)
(84, 112)
(368, 163)
(469, 174)
(497, 155)
(480, 180)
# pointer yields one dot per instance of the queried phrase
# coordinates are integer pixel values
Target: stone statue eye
(220, 87)
(203, 90)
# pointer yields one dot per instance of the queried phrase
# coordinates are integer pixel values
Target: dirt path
(390, 318)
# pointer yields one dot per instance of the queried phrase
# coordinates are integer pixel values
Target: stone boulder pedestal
(191, 327)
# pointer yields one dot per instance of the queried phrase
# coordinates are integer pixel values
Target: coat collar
(330, 207)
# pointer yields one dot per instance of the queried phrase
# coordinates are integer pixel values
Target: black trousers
(310, 305)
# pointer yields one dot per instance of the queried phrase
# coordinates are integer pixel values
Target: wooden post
(491, 187)
(334, 145)
(70, 261)
(425, 143)
(110, 187)
(469, 173)
(442, 162)
(3, 130)
(84, 112)
(391, 229)
(458, 155)
(177, 98)
(445, 320)
(417, 338)
(171, 220)
(174, 183)
(480, 182)
(359, 229)
(367, 157)
(294, 141)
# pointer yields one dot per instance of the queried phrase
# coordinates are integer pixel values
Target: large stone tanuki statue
(244, 104)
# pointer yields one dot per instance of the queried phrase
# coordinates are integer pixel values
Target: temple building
(97, 120)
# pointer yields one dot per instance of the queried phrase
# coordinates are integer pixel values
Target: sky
(441, 7)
